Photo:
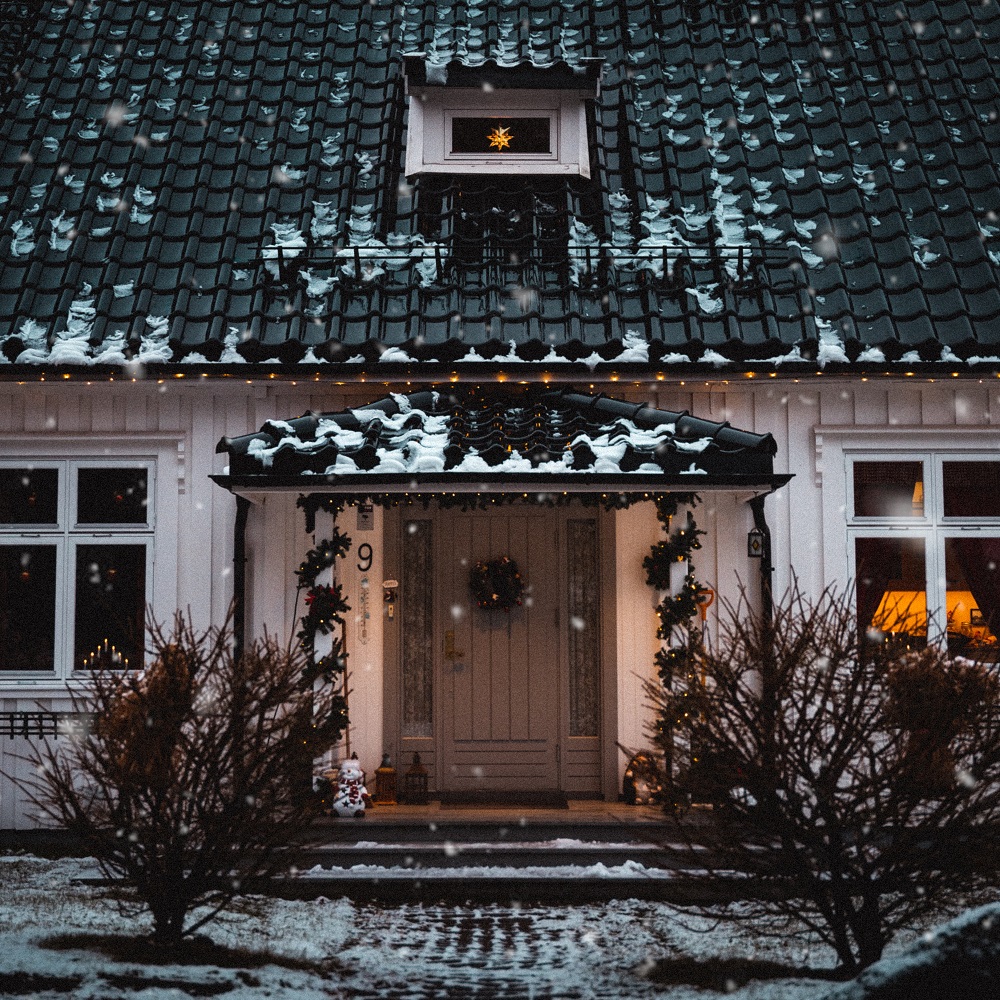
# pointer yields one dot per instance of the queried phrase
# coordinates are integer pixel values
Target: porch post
(766, 566)
(240, 575)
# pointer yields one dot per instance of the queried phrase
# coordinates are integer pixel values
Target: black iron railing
(40, 724)
(739, 268)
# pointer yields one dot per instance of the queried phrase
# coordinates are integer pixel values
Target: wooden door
(501, 672)
(508, 701)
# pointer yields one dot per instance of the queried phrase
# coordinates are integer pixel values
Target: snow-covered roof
(466, 438)
(772, 184)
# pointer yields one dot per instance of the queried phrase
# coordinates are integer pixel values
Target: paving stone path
(480, 953)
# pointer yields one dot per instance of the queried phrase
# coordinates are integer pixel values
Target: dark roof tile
(496, 436)
(241, 116)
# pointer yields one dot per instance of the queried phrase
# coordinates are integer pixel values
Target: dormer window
(519, 120)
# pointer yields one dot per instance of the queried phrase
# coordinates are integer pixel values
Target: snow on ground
(366, 951)
(339, 949)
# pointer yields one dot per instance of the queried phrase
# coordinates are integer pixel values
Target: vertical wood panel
(543, 653)
(994, 406)
(168, 410)
(636, 529)
(904, 405)
(871, 405)
(836, 405)
(118, 404)
(102, 416)
(87, 403)
(460, 616)
(135, 410)
(938, 405)
(738, 409)
(971, 404)
(523, 544)
(68, 412)
(195, 570)
(34, 411)
(504, 626)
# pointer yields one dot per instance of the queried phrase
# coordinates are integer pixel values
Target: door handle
(450, 653)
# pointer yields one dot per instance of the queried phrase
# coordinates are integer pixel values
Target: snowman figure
(352, 795)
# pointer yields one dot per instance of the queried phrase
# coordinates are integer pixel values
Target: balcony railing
(41, 725)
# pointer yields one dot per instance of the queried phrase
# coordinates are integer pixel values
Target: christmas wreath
(496, 584)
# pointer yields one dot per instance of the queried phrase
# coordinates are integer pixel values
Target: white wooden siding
(182, 420)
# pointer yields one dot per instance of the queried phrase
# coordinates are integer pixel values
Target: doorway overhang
(501, 441)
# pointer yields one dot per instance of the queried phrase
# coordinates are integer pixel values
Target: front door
(502, 701)
(501, 681)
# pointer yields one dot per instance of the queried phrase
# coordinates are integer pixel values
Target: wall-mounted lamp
(755, 543)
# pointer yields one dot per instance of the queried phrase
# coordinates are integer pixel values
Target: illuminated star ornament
(500, 137)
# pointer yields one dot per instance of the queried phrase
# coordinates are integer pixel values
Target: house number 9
(364, 557)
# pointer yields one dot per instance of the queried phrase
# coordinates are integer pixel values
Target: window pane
(972, 566)
(29, 496)
(110, 603)
(111, 496)
(891, 587)
(500, 135)
(27, 607)
(972, 489)
(888, 489)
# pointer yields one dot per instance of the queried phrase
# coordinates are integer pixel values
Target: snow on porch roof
(530, 437)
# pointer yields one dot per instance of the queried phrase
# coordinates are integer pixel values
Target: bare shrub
(858, 780)
(194, 776)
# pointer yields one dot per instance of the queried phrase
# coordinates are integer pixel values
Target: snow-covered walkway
(355, 951)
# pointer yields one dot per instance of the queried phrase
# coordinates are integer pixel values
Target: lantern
(415, 783)
(755, 543)
(385, 782)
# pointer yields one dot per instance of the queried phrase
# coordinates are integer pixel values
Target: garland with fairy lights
(677, 614)
(335, 503)
(325, 608)
(496, 584)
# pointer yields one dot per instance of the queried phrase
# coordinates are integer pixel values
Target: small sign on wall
(366, 516)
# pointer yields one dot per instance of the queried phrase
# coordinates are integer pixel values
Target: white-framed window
(463, 130)
(76, 564)
(924, 546)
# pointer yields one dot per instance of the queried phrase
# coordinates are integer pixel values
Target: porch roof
(530, 438)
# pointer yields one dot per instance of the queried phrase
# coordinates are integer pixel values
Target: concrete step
(557, 853)
(394, 888)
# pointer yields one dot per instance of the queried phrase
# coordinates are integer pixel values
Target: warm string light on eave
(474, 378)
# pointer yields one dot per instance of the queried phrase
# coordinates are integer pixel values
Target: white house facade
(487, 282)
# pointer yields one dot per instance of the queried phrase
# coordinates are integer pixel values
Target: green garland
(336, 503)
(325, 608)
(677, 612)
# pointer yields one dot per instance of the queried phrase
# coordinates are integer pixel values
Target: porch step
(582, 855)
(597, 822)
(446, 854)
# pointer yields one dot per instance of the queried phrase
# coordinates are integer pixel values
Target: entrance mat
(518, 800)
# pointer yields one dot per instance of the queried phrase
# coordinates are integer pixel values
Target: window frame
(67, 534)
(888, 519)
(431, 110)
(933, 527)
